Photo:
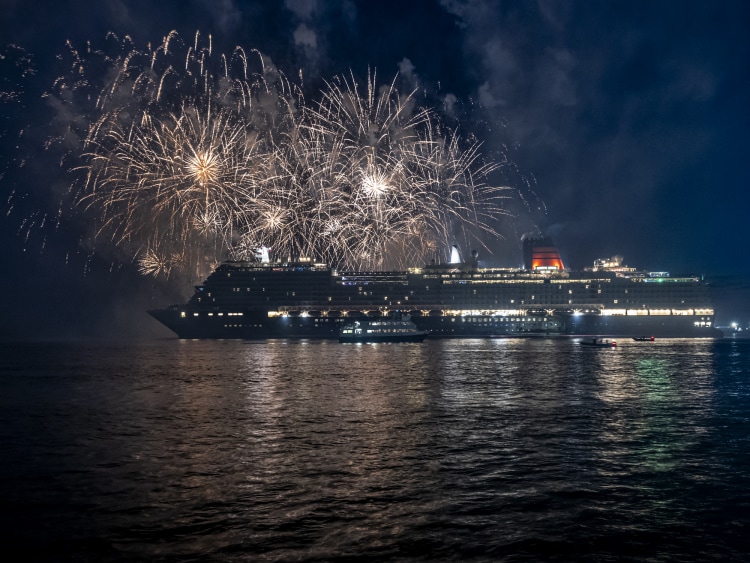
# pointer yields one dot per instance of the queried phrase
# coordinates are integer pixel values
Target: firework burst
(193, 154)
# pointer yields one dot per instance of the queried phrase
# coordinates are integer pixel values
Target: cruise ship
(305, 299)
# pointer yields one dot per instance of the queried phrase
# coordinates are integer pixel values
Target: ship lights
(614, 312)
(546, 259)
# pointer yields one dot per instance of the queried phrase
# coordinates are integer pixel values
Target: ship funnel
(541, 254)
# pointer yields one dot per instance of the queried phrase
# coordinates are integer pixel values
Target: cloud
(305, 37)
(556, 84)
(349, 11)
(119, 12)
(406, 71)
(554, 12)
(692, 82)
(406, 68)
(471, 12)
(449, 105)
(225, 13)
(498, 59)
(303, 9)
(487, 98)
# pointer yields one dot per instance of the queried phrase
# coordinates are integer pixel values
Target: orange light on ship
(546, 257)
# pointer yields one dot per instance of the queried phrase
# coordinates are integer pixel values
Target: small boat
(397, 329)
(599, 343)
(643, 338)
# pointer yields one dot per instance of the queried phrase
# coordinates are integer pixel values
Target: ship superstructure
(308, 299)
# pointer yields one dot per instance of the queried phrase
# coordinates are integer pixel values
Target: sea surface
(448, 450)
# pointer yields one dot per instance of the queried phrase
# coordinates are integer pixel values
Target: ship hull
(249, 325)
(619, 326)
(258, 325)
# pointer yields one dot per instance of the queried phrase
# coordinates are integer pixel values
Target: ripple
(451, 450)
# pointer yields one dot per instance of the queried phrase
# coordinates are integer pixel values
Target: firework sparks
(192, 154)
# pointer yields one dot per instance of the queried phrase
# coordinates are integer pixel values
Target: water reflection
(300, 450)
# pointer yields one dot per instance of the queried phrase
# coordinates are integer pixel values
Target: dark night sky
(630, 119)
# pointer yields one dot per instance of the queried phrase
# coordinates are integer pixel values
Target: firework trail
(190, 155)
(16, 69)
(393, 177)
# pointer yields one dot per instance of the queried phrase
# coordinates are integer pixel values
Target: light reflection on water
(307, 450)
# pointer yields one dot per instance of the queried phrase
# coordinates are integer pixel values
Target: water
(449, 450)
